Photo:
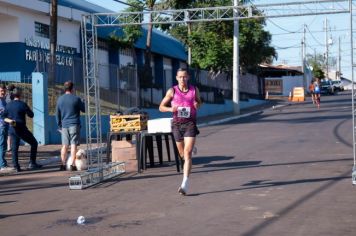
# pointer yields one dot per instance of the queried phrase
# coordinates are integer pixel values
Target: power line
(287, 47)
(321, 44)
(291, 32)
(313, 31)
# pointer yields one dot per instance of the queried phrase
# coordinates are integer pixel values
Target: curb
(215, 122)
(221, 121)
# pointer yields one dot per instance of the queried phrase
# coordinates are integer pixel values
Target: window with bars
(41, 30)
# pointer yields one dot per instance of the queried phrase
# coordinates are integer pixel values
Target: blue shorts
(71, 135)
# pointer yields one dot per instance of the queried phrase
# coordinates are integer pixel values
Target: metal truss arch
(91, 22)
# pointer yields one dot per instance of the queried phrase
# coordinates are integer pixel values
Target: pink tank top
(185, 102)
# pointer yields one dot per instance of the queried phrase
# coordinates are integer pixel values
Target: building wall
(103, 65)
(31, 52)
(288, 83)
(249, 84)
(9, 24)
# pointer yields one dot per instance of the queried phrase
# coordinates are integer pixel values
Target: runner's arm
(164, 106)
(198, 101)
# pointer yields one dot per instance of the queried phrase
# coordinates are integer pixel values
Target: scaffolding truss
(91, 22)
(226, 13)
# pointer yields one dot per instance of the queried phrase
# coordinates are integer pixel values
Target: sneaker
(73, 168)
(181, 191)
(34, 166)
(6, 169)
(62, 168)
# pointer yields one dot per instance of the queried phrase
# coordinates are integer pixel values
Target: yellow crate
(128, 122)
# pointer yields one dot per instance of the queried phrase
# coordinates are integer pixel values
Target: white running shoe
(7, 169)
(182, 191)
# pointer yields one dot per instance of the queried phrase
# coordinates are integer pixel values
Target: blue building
(24, 43)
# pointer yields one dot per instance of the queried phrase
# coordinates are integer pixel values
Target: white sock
(184, 184)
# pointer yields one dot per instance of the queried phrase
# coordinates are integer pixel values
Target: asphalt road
(283, 172)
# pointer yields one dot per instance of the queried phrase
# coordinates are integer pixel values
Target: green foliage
(212, 43)
(128, 39)
(317, 62)
(210, 51)
(254, 44)
(131, 33)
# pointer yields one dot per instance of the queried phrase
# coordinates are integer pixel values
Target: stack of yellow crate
(128, 122)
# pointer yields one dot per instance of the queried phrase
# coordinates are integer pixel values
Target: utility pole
(53, 42)
(326, 50)
(339, 61)
(303, 57)
(236, 64)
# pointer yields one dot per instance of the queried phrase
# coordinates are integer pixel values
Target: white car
(338, 86)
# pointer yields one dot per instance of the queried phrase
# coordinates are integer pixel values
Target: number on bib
(183, 112)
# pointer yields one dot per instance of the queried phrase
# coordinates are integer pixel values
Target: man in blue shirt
(16, 111)
(68, 111)
(3, 129)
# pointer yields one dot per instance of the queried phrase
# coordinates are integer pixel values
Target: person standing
(9, 98)
(183, 100)
(311, 91)
(68, 111)
(317, 91)
(16, 111)
(3, 129)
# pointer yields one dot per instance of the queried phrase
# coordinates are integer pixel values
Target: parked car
(327, 87)
(338, 86)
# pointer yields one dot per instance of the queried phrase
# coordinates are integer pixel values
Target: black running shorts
(181, 130)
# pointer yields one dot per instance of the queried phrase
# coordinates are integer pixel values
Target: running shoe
(181, 191)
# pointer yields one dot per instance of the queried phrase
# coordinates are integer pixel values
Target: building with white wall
(24, 43)
(280, 80)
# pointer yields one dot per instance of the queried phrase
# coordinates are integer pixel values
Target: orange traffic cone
(290, 96)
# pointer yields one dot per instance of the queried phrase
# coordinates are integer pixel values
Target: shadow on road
(27, 213)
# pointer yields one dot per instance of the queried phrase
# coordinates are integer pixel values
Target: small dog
(80, 160)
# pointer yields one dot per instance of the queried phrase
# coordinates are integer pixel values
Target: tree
(212, 43)
(318, 64)
(254, 44)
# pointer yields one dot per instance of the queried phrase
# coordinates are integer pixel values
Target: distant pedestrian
(311, 91)
(3, 130)
(183, 100)
(317, 91)
(16, 111)
(68, 111)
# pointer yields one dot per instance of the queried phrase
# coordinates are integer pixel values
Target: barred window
(41, 30)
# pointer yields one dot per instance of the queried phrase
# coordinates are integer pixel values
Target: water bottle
(81, 220)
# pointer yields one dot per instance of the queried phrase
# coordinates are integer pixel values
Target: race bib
(183, 112)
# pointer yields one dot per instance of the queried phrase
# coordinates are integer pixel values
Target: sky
(287, 33)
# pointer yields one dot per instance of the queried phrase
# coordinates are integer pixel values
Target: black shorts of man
(16, 112)
(68, 111)
(183, 100)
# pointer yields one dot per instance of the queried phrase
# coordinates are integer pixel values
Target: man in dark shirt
(3, 130)
(16, 111)
(68, 111)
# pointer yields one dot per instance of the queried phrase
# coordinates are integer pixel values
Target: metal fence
(118, 86)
